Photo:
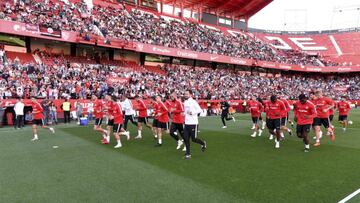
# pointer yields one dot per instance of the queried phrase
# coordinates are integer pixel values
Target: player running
(285, 117)
(255, 109)
(142, 117)
(225, 112)
(177, 124)
(37, 111)
(154, 105)
(163, 119)
(273, 116)
(98, 113)
(323, 105)
(117, 119)
(343, 108)
(110, 121)
(304, 114)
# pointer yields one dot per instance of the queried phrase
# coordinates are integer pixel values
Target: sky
(308, 15)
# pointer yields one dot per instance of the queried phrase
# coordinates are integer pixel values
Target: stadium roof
(231, 8)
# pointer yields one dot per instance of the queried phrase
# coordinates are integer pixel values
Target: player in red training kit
(117, 118)
(343, 107)
(110, 121)
(37, 111)
(142, 117)
(273, 114)
(255, 109)
(154, 105)
(323, 105)
(178, 119)
(285, 117)
(162, 115)
(98, 113)
(304, 113)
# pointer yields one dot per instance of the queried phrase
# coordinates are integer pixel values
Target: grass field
(235, 167)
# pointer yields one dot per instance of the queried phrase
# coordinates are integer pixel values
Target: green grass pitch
(234, 168)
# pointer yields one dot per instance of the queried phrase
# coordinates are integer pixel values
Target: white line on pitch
(350, 196)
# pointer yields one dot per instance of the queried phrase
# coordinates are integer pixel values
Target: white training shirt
(192, 109)
(19, 108)
(128, 107)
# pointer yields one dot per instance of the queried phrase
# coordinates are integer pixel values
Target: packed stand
(118, 23)
(64, 79)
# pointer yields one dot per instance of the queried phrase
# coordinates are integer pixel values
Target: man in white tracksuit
(19, 114)
(192, 109)
(129, 112)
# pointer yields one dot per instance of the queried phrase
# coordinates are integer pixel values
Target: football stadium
(180, 101)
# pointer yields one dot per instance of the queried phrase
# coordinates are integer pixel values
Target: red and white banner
(30, 27)
(117, 80)
(48, 31)
(23, 29)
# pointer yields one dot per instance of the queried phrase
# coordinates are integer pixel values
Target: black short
(331, 117)
(321, 121)
(342, 118)
(283, 121)
(143, 120)
(177, 127)
(155, 123)
(110, 122)
(301, 129)
(98, 121)
(117, 128)
(39, 122)
(162, 125)
(273, 124)
(255, 120)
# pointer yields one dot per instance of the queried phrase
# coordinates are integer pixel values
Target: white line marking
(333, 41)
(350, 196)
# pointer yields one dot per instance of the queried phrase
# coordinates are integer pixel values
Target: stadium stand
(144, 27)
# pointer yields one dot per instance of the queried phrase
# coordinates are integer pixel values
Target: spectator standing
(19, 114)
(79, 111)
(66, 106)
(2, 111)
(53, 113)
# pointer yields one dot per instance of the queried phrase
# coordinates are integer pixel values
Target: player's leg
(229, 118)
(330, 130)
(116, 131)
(255, 126)
(317, 125)
(263, 123)
(187, 131)
(283, 127)
(154, 128)
(306, 130)
(223, 120)
(44, 126)
(97, 127)
(271, 128)
(126, 121)
(109, 125)
(159, 134)
(276, 124)
(34, 131)
(147, 123)
(132, 120)
(173, 129)
(139, 126)
(194, 138)
(168, 128)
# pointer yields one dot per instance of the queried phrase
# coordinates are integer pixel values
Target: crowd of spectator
(64, 79)
(118, 23)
